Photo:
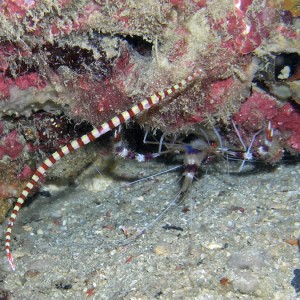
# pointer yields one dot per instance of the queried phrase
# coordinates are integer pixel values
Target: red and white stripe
(85, 139)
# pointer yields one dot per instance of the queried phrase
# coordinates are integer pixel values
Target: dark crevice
(78, 59)
(139, 45)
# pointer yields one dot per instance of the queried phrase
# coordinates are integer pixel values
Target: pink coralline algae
(101, 98)
(25, 173)
(245, 29)
(260, 108)
(29, 80)
(17, 8)
(40, 133)
(9, 145)
(23, 82)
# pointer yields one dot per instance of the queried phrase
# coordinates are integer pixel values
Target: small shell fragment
(213, 246)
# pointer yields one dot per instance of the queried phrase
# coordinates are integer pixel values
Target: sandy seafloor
(70, 245)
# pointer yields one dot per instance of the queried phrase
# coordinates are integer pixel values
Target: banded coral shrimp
(86, 139)
(219, 231)
(232, 228)
(194, 151)
(81, 249)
